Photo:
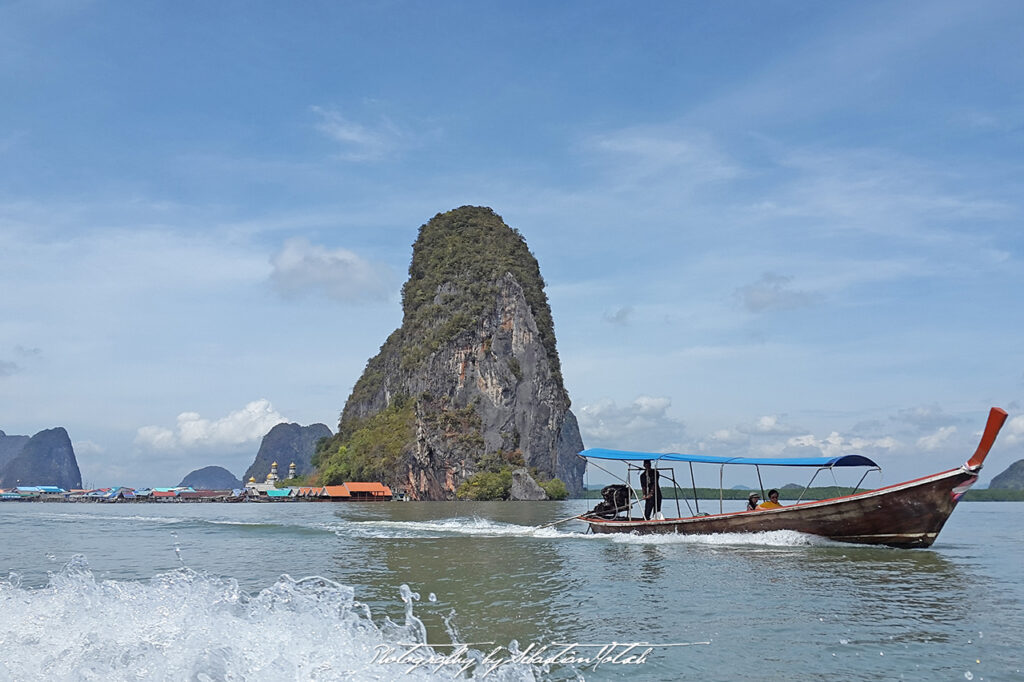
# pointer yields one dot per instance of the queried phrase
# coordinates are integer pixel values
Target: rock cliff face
(10, 446)
(46, 459)
(525, 488)
(284, 444)
(211, 478)
(1011, 479)
(470, 379)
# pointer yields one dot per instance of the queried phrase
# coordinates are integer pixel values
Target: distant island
(210, 478)
(288, 444)
(47, 458)
(1010, 479)
(465, 399)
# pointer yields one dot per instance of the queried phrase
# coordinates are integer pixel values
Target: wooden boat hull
(905, 515)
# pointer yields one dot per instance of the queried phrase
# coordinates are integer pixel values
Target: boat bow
(996, 419)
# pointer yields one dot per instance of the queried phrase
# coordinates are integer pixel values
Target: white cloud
(886, 443)
(748, 438)
(772, 292)
(643, 424)
(884, 194)
(8, 368)
(935, 440)
(246, 425)
(87, 447)
(339, 274)
(770, 424)
(156, 437)
(730, 439)
(659, 155)
(359, 142)
(648, 405)
(620, 316)
(924, 417)
(1013, 431)
(835, 445)
(769, 449)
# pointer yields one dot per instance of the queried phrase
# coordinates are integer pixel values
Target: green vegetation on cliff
(461, 426)
(372, 449)
(458, 261)
(497, 485)
(555, 489)
(493, 481)
(487, 485)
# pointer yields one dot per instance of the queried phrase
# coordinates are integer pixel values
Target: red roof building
(368, 491)
(336, 492)
(356, 491)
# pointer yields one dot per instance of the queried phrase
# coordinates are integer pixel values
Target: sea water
(293, 591)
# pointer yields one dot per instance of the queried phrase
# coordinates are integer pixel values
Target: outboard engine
(616, 499)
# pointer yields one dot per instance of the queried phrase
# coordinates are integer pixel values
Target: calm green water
(195, 591)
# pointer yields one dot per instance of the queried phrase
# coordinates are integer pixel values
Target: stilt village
(267, 491)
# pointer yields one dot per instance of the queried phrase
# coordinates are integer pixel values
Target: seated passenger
(773, 500)
(752, 501)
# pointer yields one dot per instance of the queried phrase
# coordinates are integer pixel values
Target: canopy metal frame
(630, 458)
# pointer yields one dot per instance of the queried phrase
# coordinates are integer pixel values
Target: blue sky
(765, 227)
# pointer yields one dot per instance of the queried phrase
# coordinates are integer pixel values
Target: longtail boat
(907, 515)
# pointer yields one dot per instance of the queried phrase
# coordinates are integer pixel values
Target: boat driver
(651, 489)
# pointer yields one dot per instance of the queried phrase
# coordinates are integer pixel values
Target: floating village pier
(269, 490)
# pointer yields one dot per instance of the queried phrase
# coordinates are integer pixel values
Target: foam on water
(262, 526)
(485, 528)
(133, 518)
(187, 625)
(772, 538)
(439, 528)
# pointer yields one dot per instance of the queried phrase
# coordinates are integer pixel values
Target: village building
(349, 491)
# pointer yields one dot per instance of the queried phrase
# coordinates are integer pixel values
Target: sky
(766, 228)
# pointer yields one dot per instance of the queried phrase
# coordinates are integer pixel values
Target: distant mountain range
(211, 478)
(1011, 479)
(285, 444)
(46, 458)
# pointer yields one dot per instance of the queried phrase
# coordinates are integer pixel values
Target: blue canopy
(626, 456)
